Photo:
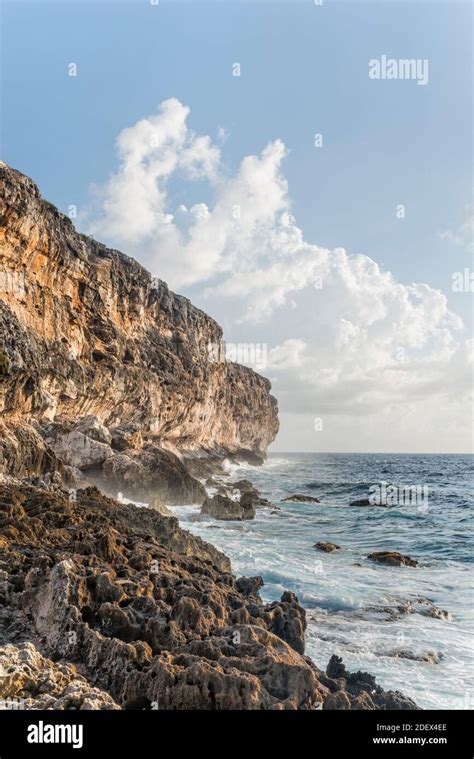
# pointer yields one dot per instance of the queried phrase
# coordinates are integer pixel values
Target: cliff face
(105, 376)
(85, 330)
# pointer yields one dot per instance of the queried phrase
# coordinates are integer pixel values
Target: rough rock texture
(148, 615)
(85, 330)
(223, 508)
(358, 690)
(152, 471)
(23, 451)
(300, 499)
(392, 559)
(107, 376)
(30, 681)
(327, 547)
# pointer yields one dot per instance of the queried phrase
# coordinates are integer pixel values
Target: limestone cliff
(86, 331)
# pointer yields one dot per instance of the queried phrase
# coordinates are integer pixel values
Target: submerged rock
(429, 657)
(436, 613)
(300, 499)
(392, 559)
(327, 547)
(361, 502)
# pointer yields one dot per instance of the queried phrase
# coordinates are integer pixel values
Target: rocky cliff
(105, 376)
(85, 331)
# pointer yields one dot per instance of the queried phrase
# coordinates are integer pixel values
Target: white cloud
(345, 338)
(463, 236)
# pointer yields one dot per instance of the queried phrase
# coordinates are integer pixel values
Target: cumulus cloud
(345, 337)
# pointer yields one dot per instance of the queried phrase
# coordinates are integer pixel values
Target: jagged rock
(300, 499)
(327, 547)
(30, 681)
(429, 657)
(150, 613)
(223, 508)
(245, 486)
(93, 428)
(287, 619)
(158, 505)
(149, 473)
(23, 452)
(249, 586)
(358, 690)
(127, 436)
(361, 502)
(436, 613)
(251, 502)
(392, 559)
(247, 456)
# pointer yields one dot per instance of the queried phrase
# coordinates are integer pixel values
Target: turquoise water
(355, 607)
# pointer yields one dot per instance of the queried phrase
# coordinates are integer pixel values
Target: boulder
(126, 436)
(78, 450)
(92, 427)
(245, 486)
(392, 559)
(225, 509)
(151, 472)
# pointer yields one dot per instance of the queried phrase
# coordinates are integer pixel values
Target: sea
(379, 619)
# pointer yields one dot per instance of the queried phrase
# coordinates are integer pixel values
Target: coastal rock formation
(358, 690)
(109, 378)
(392, 559)
(300, 499)
(149, 615)
(30, 681)
(221, 507)
(361, 502)
(86, 331)
(327, 547)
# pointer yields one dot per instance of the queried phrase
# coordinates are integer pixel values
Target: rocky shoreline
(108, 391)
(107, 605)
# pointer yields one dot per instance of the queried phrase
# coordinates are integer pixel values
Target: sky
(242, 152)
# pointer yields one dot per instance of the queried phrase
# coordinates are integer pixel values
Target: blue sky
(303, 71)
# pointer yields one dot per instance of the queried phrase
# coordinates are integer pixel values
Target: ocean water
(357, 608)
